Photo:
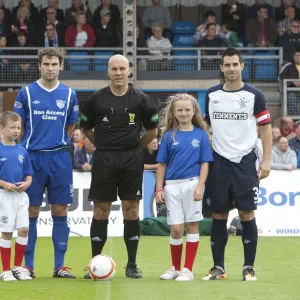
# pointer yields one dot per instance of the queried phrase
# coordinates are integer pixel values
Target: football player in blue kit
(49, 111)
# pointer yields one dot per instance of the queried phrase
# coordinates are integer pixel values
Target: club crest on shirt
(131, 118)
(21, 158)
(195, 143)
(243, 102)
(60, 103)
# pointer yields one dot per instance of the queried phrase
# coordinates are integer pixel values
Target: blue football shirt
(14, 163)
(184, 154)
(46, 114)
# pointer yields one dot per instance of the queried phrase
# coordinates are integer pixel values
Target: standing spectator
(83, 158)
(150, 154)
(251, 13)
(280, 11)
(294, 142)
(283, 25)
(77, 7)
(288, 127)
(290, 40)
(106, 31)
(201, 31)
(283, 158)
(33, 13)
(114, 11)
(261, 31)
(60, 16)
(157, 14)
(275, 134)
(5, 27)
(80, 34)
(234, 14)
(50, 38)
(7, 13)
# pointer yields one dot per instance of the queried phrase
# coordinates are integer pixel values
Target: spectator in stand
(80, 34)
(291, 70)
(234, 14)
(157, 14)
(290, 40)
(251, 13)
(201, 31)
(161, 57)
(261, 31)
(294, 142)
(275, 134)
(150, 154)
(33, 13)
(77, 6)
(230, 37)
(288, 127)
(50, 38)
(283, 158)
(5, 27)
(4, 63)
(106, 32)
(59, 29)
(283, 25)
(60, 15)
(142, 63)
(23, 23)
(280, 11)
(83, 158)
(7, 14)
(77, 139)
(114, 11)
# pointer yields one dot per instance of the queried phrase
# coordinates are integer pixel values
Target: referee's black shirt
(117, 120)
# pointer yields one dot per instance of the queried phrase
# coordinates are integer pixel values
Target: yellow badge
(131, 118)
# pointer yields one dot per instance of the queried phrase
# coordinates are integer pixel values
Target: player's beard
(234, 78)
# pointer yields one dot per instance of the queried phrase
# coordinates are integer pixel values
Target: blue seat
(185, 64)
(100, 64)
(78, 64)
(183, 41)
(246, 73)
(183, 27)
(266, 69)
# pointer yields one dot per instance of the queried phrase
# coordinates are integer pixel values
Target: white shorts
(13, 210)
(180, 203)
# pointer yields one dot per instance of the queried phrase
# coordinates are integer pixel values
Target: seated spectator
(83, 158)
(275, 134)
(59, 28)
(4, 63)
(150, 154)
(7, 14)
(201, 31)
(141, 43)
(5, 27)
(291, 71)
(261, 31)
(80, 34)
(283, 25)
(294, 142)
(114, 11)
(283, 158)
(251, 13)
(280, 11)
(234, 14)
(33, 13)
(50, 38)
(157, 14)
(77, 139)
(230, 37)
(288, 127)
(77, 6)
(23, 23)
(161, 57)
(106, 32)
(60, 15)
(290, 40)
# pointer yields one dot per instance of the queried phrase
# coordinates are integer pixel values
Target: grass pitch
(277, 268)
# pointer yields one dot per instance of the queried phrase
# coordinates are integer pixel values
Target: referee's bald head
(118, 58)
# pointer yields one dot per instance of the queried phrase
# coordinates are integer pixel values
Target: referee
(112, 120)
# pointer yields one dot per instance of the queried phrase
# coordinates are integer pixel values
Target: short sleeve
(206, 153)
(27, 168)
(21, 104)
(261, 111)
(73, 109)
(88, 114)
(163, 151)
(149, 113)
(206, 115)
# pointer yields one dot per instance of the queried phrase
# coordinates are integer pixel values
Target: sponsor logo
(134, 238)
(18, 104)
(138, 193)
(60, 103)
(83, 118)
(131, 118)
(76, 108)
(195, 143)
(288, 231)
(96, 239)
(247, 241)
(154, 118)
(175, 143)
(229, 116)
(21, 158)
(105, 119)
(277, 198)
(36, 102)
(215, 101)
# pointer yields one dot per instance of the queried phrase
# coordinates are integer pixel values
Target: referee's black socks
(132, 230)
(98, 234)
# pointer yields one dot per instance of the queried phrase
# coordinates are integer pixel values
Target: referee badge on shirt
(131, 118)
(60, 103)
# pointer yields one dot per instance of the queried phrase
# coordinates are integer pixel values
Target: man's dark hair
(261, 6)
(231, 52)
(209, 13)
(209, 24)
(296, 50)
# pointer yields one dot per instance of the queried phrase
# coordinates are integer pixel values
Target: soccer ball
(102, 267)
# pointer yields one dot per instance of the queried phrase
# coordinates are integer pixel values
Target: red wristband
(159, 190)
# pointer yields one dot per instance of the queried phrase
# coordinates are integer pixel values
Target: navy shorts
(52, 171)
(117, 173)
(231, 185)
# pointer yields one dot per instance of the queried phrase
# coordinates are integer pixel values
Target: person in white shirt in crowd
(283, 157)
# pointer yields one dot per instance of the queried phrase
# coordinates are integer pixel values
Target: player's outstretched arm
(266, 138)
(160, 177)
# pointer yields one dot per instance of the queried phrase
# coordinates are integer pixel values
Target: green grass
(277, 268)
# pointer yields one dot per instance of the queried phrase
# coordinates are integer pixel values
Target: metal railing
(290, 99)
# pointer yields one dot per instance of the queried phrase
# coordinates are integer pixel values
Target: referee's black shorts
(117, 173)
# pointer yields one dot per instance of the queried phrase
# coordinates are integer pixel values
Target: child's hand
(159, 197)
(22, 186)
(10, 187)
(198, 194)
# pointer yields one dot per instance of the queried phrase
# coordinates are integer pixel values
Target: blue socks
(29, 253)
(60, 237)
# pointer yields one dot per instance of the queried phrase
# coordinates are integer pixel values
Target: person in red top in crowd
(288, 127)
(80, 34)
